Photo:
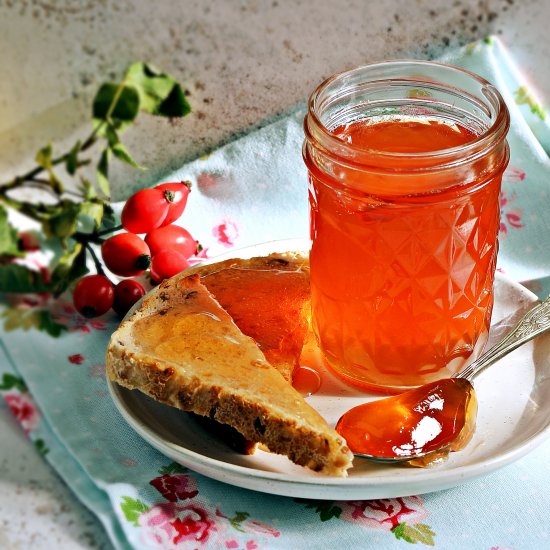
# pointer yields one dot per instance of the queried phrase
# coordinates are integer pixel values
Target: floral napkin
(52, 373)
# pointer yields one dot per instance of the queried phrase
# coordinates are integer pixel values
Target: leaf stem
(109, 230)
(98, 266)
(87, 238)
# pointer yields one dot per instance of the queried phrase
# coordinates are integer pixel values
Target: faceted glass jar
(405, 161)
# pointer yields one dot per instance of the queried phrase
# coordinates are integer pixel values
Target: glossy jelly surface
(270, 306)
(401, 283)
(439, 416)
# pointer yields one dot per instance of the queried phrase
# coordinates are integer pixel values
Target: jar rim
(494, 100)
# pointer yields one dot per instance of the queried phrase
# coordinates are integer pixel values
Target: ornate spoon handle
(534, 322)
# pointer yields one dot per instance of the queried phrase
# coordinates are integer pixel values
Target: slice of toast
(268, 298)
(183, 349)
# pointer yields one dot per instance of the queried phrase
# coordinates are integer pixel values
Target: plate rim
(245, 477)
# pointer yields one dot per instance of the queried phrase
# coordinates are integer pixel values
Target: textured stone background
(243, 62)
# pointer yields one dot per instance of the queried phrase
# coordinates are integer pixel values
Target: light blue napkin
(250, 191)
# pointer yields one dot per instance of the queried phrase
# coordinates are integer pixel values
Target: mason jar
(405, 161)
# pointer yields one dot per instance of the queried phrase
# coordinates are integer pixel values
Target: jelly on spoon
(422, 424)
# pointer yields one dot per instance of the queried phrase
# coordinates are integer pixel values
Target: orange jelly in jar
(405, 161)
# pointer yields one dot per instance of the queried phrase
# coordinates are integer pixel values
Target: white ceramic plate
(513, 418)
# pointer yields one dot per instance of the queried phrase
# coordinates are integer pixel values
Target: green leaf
(160, 94)
(109, 219)
(238, 519)
(48, 325)
(44, 160)
(90, 216)
(41, 211)
(41, 446)
(414, 533)
(18, 278)
(44, 157)
(524, 97)
(132, 509)
(64, 223)
(172, 468)
(10, 382)
(325, 508)
(55, 183)
(8, 236)
(70, 266)
(19, 319)
(176, 104)
(111, 135)
(102, 173)
(116, 101)
(119, 126)
(71, 163)
(121, 153)
(87, 189)
(31, 318)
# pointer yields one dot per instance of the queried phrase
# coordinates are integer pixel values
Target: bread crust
(231, 384)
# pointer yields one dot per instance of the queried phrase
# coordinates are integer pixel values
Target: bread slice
(183, 349)
(268, 298)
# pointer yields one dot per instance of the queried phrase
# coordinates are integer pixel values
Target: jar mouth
(481, 106)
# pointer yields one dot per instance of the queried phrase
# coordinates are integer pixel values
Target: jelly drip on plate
(306, 380)
(435, 416)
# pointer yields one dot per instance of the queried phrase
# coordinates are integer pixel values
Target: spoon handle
(534, 322)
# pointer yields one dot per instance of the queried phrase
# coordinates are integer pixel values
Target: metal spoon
(535, 322)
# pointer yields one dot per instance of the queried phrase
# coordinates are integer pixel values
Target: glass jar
(405, 161)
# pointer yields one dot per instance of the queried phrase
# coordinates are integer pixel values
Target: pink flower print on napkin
(400, 516)
(65, 313)
(171, 525)
(513, 174)
(174, 487)
(226, 232)
(23, 408)
(384, 513)
(510, 217)
(76, 359)
(241, 522)
(254, 527)
(234, 544)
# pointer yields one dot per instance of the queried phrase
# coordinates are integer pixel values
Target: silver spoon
(535, 322)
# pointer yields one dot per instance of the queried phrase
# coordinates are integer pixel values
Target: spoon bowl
(426, 423)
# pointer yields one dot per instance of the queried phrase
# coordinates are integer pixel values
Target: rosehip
(171, 237)
(126, 254)
(180, 191)
(127, 293)
(93, 295)
(146, 210)
(166, 264)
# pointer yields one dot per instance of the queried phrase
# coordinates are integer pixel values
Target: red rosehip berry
(126, 254)
(93, 295)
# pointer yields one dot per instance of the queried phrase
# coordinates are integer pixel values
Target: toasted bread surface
(183, 349)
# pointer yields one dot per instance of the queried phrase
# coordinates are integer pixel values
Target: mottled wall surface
(243, 62)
